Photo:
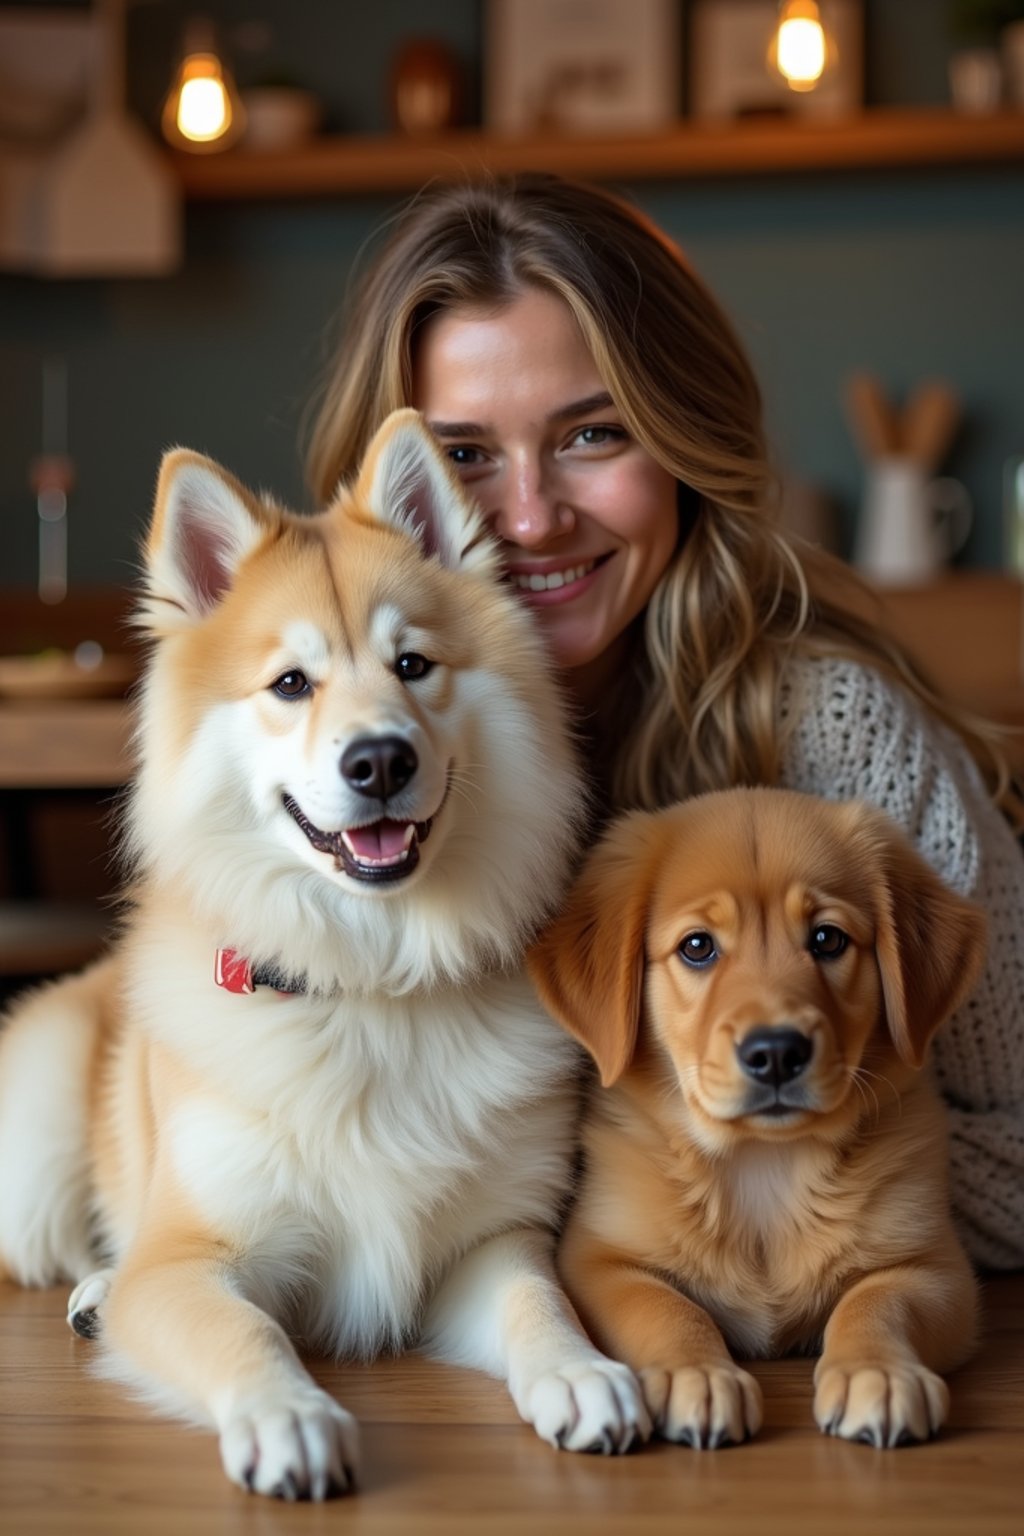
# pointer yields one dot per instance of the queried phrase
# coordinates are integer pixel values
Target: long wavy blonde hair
(697, 709)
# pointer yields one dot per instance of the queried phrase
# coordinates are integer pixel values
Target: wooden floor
(444, 1455)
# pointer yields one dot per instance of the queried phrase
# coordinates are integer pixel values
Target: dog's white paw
(592, 1405)
(881, 1405)
(85, 1301)
(301, 1446)
(703, 1406)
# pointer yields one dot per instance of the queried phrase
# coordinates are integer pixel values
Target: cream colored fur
(380, 1158)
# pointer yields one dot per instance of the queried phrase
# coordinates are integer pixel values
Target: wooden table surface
(445, 1455)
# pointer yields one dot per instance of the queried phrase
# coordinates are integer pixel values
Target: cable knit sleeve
(854, 735)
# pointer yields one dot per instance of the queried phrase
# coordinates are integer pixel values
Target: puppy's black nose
(770, 1054)
(378, 766)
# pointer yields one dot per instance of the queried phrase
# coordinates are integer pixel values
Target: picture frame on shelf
(731, 74)
(581, 66)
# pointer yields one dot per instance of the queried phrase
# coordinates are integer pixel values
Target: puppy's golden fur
(757, 975)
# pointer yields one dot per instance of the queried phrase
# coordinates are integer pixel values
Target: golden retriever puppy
(757, 975)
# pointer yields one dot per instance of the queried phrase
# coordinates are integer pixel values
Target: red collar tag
(233, 972)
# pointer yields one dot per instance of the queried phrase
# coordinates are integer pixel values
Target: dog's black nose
(771, 1054)
(378, 766)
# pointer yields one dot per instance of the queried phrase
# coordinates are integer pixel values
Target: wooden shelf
(877, 139)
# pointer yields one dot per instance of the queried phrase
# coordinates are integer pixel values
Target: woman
(596, 402)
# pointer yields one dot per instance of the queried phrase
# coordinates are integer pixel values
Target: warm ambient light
(202, 110)
(800, 50)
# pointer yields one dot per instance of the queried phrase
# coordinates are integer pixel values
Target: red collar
(235, 973)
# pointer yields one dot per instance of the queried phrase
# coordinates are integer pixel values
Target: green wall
(909, 274)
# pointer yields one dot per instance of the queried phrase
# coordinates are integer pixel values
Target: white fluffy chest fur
(349, 1150)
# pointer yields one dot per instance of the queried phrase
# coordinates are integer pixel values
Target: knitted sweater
(857, 736)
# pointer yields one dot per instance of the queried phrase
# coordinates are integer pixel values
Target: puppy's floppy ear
(204, 525)
(930, 944)
(588, 966)
(407, 482)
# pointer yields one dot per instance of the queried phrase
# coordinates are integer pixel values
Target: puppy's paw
(884, 1405)
(703, 1406)
(301, 1446)
(592, 1405)
(85, 1301)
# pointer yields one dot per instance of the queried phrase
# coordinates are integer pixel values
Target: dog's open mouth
(379, 852)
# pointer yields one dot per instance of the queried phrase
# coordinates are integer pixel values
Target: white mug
(909, 526)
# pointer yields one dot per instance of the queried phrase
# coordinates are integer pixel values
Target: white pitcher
(909, 525)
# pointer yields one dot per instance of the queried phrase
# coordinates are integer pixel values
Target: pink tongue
(383, 840)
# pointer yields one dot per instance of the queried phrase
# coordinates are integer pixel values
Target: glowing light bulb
(800, 50)
(202, 110)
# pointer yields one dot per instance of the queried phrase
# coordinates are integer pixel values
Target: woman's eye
(827, 941)
(599, 437)
(698, 948)
(411, 665)
(292, 685)
(464, 457)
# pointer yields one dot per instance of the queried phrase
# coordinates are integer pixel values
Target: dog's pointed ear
(588, 966)
(204, 525)
(930, 945)
(407, 482)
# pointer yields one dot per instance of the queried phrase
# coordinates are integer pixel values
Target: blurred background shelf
(877, 139)
(966, 631)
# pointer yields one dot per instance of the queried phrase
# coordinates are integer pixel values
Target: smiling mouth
(552, 581)
(379, 852)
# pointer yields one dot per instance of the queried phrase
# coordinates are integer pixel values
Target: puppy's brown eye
(698, 948)
(827, 942)
(291, 685)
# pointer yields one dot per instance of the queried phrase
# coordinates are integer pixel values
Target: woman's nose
(529, 512)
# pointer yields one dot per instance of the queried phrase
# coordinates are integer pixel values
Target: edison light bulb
(202, 110)
(800, 49)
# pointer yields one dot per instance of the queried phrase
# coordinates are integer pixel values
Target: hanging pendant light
(102, 201)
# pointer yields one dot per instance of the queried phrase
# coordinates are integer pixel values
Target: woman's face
(587, 518)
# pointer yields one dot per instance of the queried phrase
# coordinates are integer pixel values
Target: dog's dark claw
(287, 1489)
(86, 1323)
(602, 1447)
(249, 1477)
(905, 1438)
